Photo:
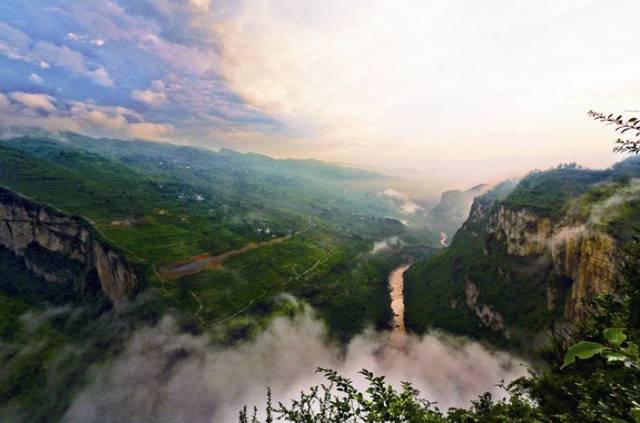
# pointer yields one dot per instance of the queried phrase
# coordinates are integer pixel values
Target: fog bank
(166, 376)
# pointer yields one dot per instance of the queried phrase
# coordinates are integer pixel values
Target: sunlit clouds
(456, 91)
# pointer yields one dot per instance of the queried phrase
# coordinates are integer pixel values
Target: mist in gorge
(167, 376)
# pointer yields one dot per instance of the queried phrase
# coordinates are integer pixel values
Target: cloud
(101, 77)
(165, 375)
(406, 205)
(5, 104)
(26, 109)
(386, 244)
(13, 42)
(154, 96)
(109, 21)
(182, 21)
(18, 46)
(34, 77)
(411, 87)
(34, 101)
(610, 208)
(74, 37)
(149, 131)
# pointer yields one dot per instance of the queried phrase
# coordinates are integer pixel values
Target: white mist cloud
(609, 208)
(406, 205)
(166, 376)
(386, 244)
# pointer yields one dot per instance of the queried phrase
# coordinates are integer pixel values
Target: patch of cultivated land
(198, 263)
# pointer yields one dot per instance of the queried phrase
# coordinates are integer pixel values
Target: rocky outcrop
(26, 225)
(523, 232)
(579, 253)
(587, 257)
(490, 318)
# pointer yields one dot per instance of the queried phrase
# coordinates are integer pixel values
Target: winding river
(396, 284)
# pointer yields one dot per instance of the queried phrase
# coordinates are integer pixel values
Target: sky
(458, 92)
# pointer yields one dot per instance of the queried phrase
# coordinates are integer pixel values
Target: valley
(133, 232)
(111, 236)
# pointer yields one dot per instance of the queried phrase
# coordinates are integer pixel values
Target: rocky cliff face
(579, 253)
(453, 209)
(490, 318)
(25, 225)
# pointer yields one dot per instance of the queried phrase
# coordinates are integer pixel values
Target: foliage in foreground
(595, 380)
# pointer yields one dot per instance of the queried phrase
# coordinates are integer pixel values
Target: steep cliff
(528, 256)
(63, 249)
(581, 254)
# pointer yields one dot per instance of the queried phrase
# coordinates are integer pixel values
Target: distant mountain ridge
(454, 208)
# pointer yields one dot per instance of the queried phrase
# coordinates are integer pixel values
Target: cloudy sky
(453, 90)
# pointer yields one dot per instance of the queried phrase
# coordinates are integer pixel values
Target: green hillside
(517, 286)
(161, 203)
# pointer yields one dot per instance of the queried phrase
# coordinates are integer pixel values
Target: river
(396, 284)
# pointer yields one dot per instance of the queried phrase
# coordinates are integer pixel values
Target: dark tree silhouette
(631, 143)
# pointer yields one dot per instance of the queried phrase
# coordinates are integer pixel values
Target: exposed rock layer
(579, 253)
(25, 224)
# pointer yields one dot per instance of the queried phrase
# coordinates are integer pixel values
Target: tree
(631, 126)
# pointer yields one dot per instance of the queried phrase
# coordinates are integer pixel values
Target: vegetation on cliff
(527, 255)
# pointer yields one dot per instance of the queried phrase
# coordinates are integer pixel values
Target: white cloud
(154, 96)
(149, 131)
(169, 376)
(108, 21)
(34, 77)
(411, 82)
(406, 205)
(74, 37)
(34, 101)
(83, 117)
(19, 46)
(101, 77)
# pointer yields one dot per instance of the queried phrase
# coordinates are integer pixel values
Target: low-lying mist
(164, 375)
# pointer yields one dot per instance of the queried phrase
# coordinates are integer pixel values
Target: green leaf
(613, 356)
(632, 350)
(635, 414)
(614, 336)
(582, 350)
